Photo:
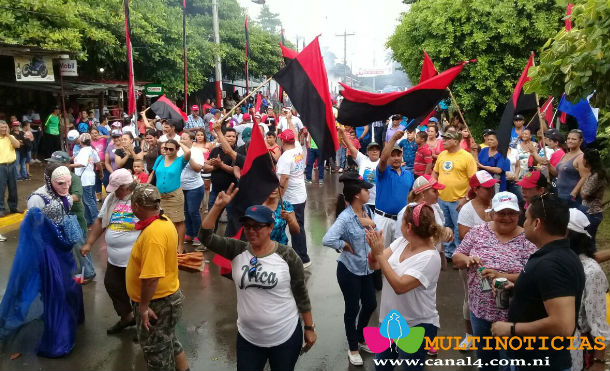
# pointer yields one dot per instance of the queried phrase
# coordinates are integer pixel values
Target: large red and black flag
(518, 103)
(360, 108)
(131, 92)
(288, 55)
(304, 79)
(166, 109)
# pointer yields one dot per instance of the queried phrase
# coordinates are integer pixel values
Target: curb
(11, 220)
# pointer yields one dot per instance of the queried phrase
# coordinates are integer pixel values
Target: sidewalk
(24, 189)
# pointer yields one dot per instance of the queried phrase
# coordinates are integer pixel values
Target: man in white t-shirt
(290, 170)
(366, 164)
(84, 164)
(283, 122)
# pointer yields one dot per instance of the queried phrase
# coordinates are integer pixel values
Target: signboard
(153, 90)
(33, 68)
(67, 67)
(370, 72)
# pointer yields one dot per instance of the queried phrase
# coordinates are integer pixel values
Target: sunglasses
(169, 149)
(252, 269)
(254, 226)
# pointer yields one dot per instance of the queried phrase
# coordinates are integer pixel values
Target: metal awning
(70, 88)
(19, 50)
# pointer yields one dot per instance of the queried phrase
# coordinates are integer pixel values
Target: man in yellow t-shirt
(454, 167)
(8, 171)
(152, 282)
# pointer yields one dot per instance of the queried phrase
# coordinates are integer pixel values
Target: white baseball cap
(504, 200)
(578, 222)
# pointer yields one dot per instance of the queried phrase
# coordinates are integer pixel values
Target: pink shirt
(507, 257)
(100, 147)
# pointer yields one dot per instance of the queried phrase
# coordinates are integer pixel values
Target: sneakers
(196, 242)
(321, 182)
(188, 239)
(432, 352)
(355, 359)
(308, 181)
(2, 238)
(465, 344)
(307, 265)
(364, 348)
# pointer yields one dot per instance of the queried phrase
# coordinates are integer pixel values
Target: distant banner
(370, 72)
(68, 67)
(34, 68)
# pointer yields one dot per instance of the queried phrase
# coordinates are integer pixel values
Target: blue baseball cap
(259, 213)
(433, 119)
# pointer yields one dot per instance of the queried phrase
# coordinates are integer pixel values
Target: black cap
(373, 144)
(487, 132)
(518, 117)
(555, 135)
(355, 179)
(397, 117)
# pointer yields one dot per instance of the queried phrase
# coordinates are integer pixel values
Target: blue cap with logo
(258, 213)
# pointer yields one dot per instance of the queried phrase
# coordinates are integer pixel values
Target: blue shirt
(347, 228)
(392, 189)
(168, 178)
(360, 130)
(278, 234)
(408, 152)
(193, 123)
(102, 130)
(496, 160)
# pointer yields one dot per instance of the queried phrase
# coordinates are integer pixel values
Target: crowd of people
(416, 199)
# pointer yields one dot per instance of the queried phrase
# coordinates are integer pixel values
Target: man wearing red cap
(533, 184)
(195, 121)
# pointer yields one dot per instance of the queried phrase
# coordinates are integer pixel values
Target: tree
(499, 34)
(268, 20)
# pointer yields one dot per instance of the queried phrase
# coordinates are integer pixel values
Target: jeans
(85, 262)
(393, 352)
(192, 202)
(8, 179)
(356, 290)
(595, 220)
(451, 217)
(299, 242)
(312, 155)
(481, 327)
(341, 153)
(22, 172)
(281, 357)
(37, 135)
(512, 187)
(106, 178)
(90, 204)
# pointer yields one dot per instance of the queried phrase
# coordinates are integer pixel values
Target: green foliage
(268, 20)
(577, 62)
(499, 34)
(94, 31)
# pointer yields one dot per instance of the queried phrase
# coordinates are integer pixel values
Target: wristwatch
(310, 328)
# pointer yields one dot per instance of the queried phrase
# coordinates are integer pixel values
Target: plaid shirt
(191, 123)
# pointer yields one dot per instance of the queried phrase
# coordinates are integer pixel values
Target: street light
(101, 69)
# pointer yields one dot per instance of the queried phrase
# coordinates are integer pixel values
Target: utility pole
(218, 70)
(345, 35)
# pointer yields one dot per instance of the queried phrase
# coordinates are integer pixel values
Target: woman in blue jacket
(347, 236)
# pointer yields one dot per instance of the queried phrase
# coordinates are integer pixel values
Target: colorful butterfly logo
(394, 328)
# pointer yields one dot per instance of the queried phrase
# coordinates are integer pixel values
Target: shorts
(160, 344)
(172, 204)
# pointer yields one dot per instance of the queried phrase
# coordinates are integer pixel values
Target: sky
(371, 23)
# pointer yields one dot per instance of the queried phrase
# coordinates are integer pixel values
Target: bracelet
(512, 329)
(310, 328)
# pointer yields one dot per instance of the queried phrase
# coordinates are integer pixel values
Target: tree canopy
(499, 34)
(94, 31)
(268, 20)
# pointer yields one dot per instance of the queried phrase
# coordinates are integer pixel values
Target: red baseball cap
(247, 117)
(482, 179)
(424, 182)
(533, 179)
(194, 107)
(287, 135)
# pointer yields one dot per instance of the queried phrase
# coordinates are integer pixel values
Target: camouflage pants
(160, 345)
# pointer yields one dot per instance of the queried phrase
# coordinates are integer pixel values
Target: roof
(17, 50)
(71, 87)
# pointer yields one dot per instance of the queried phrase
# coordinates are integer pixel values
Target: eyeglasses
(169, 149)
(253, 266)
(254, 226)
(541, 198)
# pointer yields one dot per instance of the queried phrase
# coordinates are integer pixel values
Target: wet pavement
(208, 326)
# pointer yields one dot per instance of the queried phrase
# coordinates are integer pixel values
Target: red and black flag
(131, 92)
(166, 109)
(288, 55)
(304, 79)
(360, 108)
(518, 103)
(427, 69)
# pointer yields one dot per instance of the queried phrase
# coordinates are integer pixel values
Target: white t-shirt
(267, 312)
(366, 169)
(292, 162)
(418, 305)
(121, 233)
(191, 179)
(283, 124)
(468, 216)
(87, 157)
(439, 218)
(512, 156)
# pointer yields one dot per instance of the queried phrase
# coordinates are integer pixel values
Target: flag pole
(184, 55)
(246, 98)
(542, 126)
(458, 109)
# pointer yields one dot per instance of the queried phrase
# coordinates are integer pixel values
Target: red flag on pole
(427, 69)
(131, 93)
(569, 17)
(547, 110)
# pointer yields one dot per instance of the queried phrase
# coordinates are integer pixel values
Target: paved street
(207, 330)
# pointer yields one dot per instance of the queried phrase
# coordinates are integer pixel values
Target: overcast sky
(372, 22)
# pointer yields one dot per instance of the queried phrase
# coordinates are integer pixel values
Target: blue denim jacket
(347, 228)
